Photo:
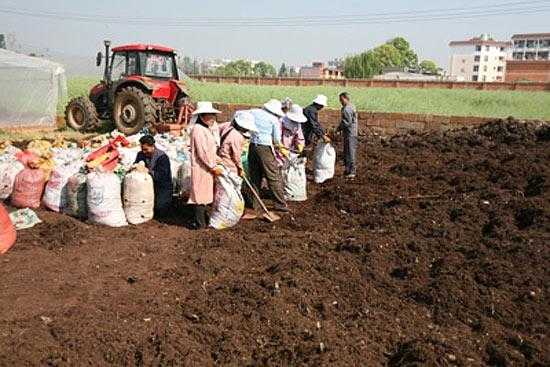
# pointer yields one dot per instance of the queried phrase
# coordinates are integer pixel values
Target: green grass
(528, 105)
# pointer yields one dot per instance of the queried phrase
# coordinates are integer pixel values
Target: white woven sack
(8, 171)
(55, 193)
(324, 162)
(296, 180)
(104, 202)
(228, 207)
(139, 197)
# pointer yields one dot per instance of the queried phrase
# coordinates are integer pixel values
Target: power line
(487, 11)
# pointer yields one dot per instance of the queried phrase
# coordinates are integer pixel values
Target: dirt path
(438, 254)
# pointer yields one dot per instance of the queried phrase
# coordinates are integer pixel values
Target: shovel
(271, 217)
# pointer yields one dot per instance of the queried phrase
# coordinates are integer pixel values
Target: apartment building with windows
(530, 58)
(479, 59)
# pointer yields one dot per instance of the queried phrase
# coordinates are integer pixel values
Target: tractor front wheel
(133, 110)
(81, 114)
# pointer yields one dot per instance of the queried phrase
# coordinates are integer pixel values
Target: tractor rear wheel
(81, 115)
(133, 110)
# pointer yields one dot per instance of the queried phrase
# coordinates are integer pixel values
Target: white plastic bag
(55, 193)
(295, 179)
(139, 196)
(75, 201)
(324, 162)
(8, 171)
(228, 206)
(104, 202)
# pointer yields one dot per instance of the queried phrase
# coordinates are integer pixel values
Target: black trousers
(262, 163)
(201, 216)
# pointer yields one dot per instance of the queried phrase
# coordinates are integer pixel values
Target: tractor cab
(140, 88)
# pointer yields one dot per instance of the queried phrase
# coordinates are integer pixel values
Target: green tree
(409, 57)
(187, 65)
(264, 69)
(429, 67)
(283, 71)
(235, 68)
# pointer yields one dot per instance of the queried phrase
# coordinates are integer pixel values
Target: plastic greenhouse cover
(30, 90)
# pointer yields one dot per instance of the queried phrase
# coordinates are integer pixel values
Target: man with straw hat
(261, 156)
(203, 162)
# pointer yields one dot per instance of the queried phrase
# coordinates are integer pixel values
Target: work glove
(240, 172)
(300, 148)
(326, 139)
(217, 171)
(284, 151)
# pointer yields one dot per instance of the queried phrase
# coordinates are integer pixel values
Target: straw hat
(205, 107)
(321, 100)
(275, 107)
(246, 121)
(296, 114)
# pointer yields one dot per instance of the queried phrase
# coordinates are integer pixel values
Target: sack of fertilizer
(184, 180)
(228, 206)
(295, 179)
(75, 199)
(324, 162)
(104, 201)
(8, 172)
(139, 195)
(55, 194)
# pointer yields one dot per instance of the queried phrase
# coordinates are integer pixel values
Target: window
(486, 58)
(157, 65)
(462, 71)
(531, 44)
(543, 55)
(487, 48)
(500, 69)
(518, 55)
(502, 49)
(463, 61)
(501, 58)
(519, 44)
(485, 68)
(476, 68)
(475, 78)
(545, 43)
(499, 78)
(477, 58)
(133, 63)
(118, 65)
(530, 56)
(478, 48)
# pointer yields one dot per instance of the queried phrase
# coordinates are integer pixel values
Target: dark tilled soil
(436, 255)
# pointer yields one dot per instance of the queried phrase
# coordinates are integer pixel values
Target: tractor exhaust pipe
(106, 75)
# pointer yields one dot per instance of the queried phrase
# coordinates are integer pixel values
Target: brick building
(530, 58)
(319, 70)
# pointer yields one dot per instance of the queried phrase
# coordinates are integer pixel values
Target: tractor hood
(165, 89)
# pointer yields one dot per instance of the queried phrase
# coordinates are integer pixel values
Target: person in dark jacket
(312, 128)
(159, 168)
(348, 127)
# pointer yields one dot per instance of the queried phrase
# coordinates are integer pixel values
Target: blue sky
(294, 46)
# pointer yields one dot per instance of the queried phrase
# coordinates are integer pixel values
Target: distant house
(479, 59)
(319, 70)
(530, 58)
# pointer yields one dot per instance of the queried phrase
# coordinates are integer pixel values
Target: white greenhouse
(30, 90)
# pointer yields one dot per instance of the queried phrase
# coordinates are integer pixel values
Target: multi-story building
(319, 70)
(479, 59)
(530, 58)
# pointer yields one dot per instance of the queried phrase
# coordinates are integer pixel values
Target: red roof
(479, 41)
(142, 47)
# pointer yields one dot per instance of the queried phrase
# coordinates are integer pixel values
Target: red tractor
(140, 88)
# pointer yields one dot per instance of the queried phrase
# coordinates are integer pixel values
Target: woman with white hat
(203, 162)
(312, 127)
(233, 135)
(292, 136)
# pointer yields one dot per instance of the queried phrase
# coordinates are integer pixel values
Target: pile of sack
(97, 181)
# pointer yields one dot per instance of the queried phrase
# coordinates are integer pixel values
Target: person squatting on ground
(158, 164)
(261, 156)
(203, 162)
(348, 127)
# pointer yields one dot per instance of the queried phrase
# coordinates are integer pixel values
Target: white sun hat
(246, 121)
(296, 114)
(321, 100)
(205, 107)
(274, 106)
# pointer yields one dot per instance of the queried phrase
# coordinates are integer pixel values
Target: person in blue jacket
(159, 168)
